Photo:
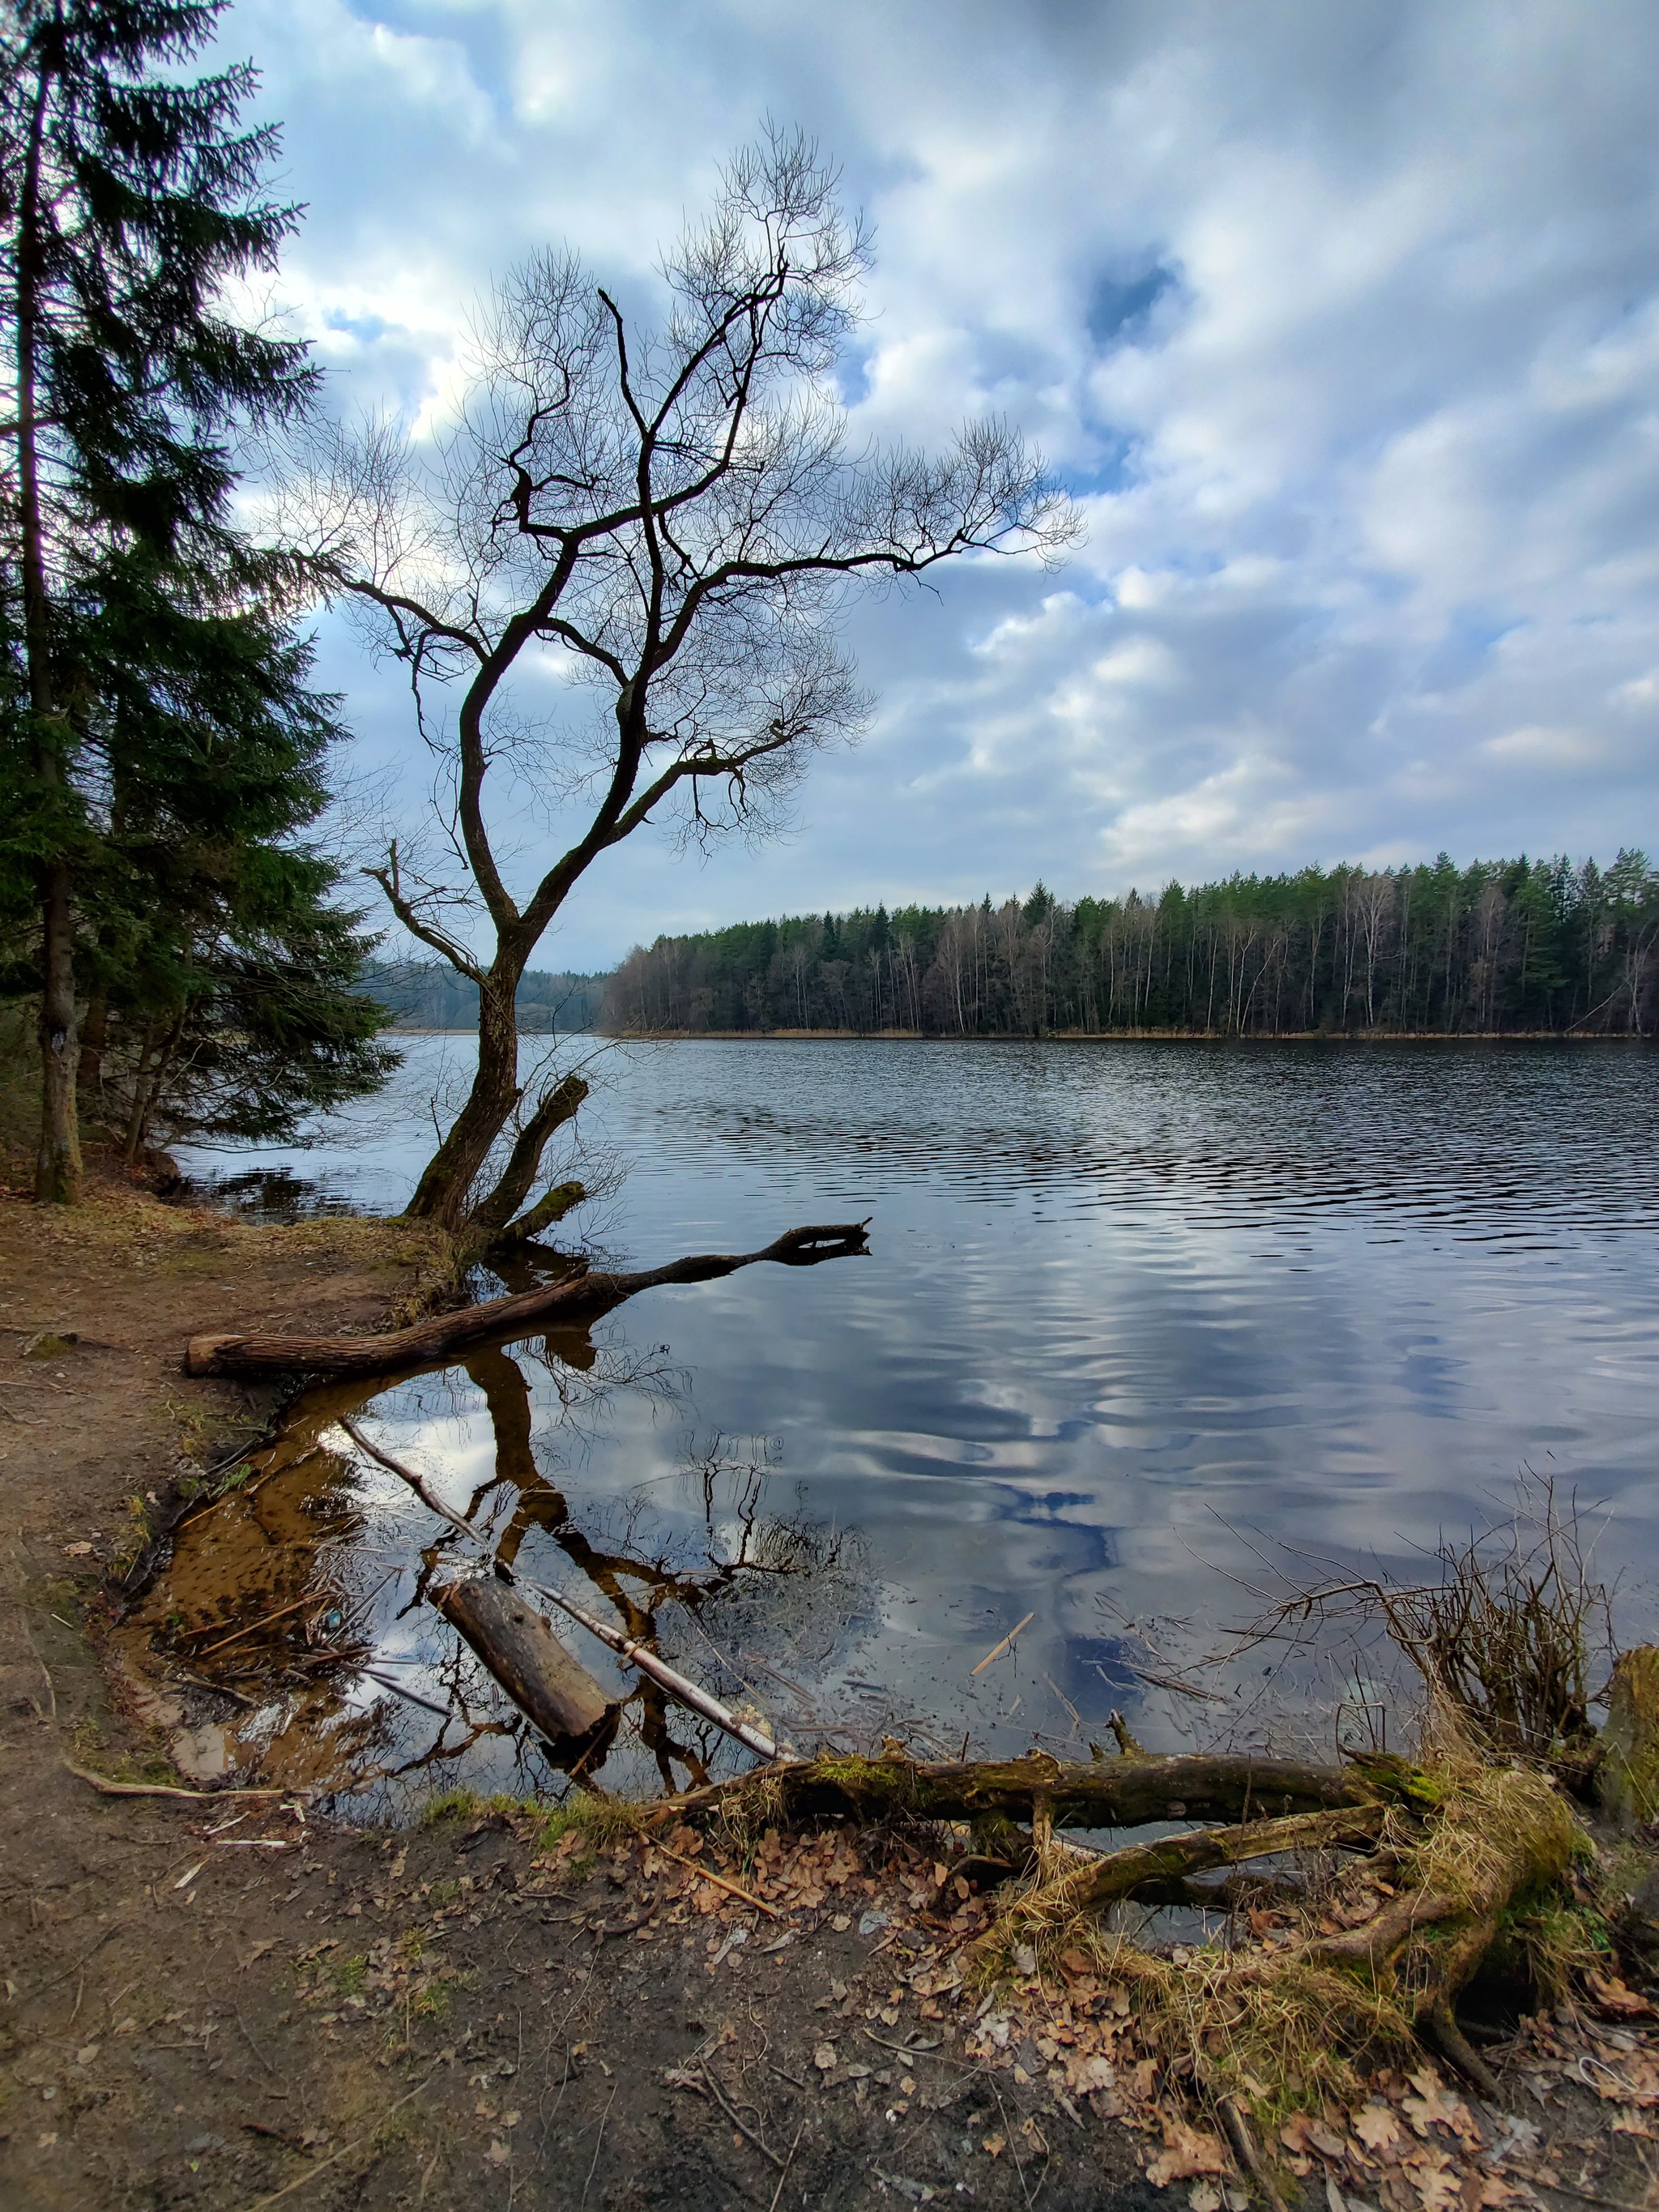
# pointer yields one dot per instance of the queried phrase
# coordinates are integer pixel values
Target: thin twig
(345, 2151)
(997, 1648)
(742, 2126)
(720, 1882)
(106, 1788)
(787, 2163)
(599, 2140)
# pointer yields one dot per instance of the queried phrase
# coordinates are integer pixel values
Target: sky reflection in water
(1133, 1314)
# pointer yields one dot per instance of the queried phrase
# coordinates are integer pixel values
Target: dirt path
(218, 2003)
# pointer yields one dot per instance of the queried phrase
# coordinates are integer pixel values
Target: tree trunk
(447, 1184)
(94, 1042)
(58, 1176)
(57, 1173)
(1103, 1793)
(559, 1105)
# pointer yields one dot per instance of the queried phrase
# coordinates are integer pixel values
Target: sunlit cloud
(1344, 324)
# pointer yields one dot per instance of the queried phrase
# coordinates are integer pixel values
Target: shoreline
(218, 2000)
(1070, 1037)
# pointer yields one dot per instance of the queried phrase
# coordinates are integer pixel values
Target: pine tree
(130, 201)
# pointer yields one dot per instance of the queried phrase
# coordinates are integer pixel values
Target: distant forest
(421, 995)
(1504, 946)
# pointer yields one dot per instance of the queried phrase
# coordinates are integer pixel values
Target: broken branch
(576, 1297)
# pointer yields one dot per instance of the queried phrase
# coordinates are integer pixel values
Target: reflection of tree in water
(751, 1572)
(742, 1597)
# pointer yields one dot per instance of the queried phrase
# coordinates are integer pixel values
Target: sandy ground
(218, 2002)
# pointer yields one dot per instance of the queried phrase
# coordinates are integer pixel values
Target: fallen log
(580, 1298)
(551, 1687)
(1101, 1792)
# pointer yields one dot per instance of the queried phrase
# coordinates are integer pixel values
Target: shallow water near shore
(1142, 1327)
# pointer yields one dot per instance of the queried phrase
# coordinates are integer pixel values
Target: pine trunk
(57, 1176)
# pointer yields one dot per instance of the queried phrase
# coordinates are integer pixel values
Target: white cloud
(1345, 322)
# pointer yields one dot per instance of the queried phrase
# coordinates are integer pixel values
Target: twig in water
(413, 1696)
(236, 1636)
(997, 1649)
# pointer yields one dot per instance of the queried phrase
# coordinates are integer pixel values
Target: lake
(1143, 1328)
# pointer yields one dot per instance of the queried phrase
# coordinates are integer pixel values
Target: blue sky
(1344, 323)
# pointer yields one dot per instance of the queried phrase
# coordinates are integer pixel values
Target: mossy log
(1102, 1793)
(1627, 1773)
(577, 1298)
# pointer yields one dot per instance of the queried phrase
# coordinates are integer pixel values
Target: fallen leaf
(1378, 2127)
(498, 2154)
(1610, 1993)
(824, 2058)
(1435, 2179)
(993, 2145)
(1186, 2152)
(1204, 2196)
(1435, 2103)
(76, 1551)
(185, 1880)
(1092, 2073)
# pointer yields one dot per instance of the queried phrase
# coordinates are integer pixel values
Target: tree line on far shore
(1499, 947)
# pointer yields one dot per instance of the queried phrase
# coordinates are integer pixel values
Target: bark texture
(1627, 1777)
(1104, 1793)
(521, 1652)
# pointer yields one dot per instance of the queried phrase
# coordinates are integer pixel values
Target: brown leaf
(1377, 2128)
(1614, 1998)
(1188, 2152)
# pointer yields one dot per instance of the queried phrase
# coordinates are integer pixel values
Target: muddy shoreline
(214, 2000)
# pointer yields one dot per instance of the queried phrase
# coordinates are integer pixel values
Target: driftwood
(521, 1652)
(576, 1298)
(628, 1649)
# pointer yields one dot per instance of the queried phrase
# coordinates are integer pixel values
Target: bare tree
(673, 518)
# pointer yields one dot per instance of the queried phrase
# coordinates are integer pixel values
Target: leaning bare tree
(672, 517)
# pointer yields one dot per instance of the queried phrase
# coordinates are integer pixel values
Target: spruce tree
(130, 202)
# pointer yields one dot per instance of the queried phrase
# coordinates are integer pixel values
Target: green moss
(454, 1805)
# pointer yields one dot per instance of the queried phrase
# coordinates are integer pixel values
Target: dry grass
(1507, 1634)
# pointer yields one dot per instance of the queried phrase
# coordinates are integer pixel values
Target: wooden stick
(719, 1881)
(997, 1649)
(106, 1788)
(281, 1613)
(628, 1649)
(1250, 2157)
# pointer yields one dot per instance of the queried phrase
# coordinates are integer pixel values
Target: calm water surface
(1136, 1317)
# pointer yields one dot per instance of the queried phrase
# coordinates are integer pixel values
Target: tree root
(1101, 1881)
